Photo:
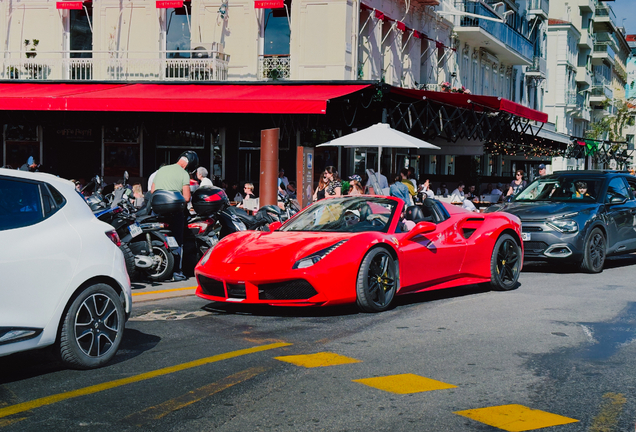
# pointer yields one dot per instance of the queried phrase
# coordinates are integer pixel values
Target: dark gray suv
(577, 216)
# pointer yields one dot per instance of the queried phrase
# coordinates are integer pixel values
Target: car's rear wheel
(378, 281)
(92, 328)
(163, 271)
(594, 252)
(505, 264)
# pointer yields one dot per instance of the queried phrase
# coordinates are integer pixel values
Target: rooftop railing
(605, 11)
(503, 32)
(116, 66)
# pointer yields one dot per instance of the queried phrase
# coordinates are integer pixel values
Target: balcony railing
(605, 11)
(570, 97)
(116, 66)
(274, 66)
(581, 103)
(539, 65)
(543, 5)
(604, 91)
(604, 47)
(503, 32)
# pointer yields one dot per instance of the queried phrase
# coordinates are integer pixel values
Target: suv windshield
(561, 189)
(345, 215)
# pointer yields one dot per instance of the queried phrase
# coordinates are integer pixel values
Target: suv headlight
(564, 225)
(312, 259)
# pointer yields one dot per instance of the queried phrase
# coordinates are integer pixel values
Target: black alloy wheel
(595, 252)
(92, 328)
(378, 281)
(505, 264)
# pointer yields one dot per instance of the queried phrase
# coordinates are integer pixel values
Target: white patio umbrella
(378, 136)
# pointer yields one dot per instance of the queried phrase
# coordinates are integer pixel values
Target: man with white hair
(202, 175)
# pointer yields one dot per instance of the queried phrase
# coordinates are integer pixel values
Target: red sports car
(364, 249)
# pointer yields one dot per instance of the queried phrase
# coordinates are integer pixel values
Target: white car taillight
(112, 235)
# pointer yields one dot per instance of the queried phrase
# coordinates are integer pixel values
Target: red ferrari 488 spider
(364, 249)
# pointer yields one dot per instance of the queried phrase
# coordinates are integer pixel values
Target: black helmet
(193, 160)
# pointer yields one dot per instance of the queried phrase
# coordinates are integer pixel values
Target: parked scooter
(213, 203)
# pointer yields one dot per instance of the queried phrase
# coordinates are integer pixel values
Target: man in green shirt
(175, 178)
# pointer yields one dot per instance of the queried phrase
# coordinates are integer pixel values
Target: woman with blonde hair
(356, 185)
(138, 199)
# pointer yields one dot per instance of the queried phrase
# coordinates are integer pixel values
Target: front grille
(531, 228)
(534, 247)
(236, 291)
(289, 290)
(211, 286)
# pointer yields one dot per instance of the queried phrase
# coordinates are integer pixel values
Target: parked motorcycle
(145, 240)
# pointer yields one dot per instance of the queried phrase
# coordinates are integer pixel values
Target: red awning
(476, 102)
(194, 98)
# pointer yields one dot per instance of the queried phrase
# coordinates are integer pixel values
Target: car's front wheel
(505, 263)
(92, 328)
(594, 252)
(378, 281)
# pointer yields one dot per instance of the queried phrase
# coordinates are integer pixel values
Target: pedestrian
(291, 190)
(176, 178)
(458, 193)
(425, 190)
(517, 185)
(152, 176)
(404, 175)
(202, 175)
(319, 193)
(356, 185)
(399, 190)
(248, 191)
(282, 179)
(411, 177)
(30, 165)
(470, 193)
(442, 190)
(137, 198)
(542, 170)
(334, 187)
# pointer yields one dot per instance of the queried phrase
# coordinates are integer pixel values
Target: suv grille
(289, 290)
(211, 286)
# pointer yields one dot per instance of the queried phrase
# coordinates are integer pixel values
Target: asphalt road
(556, 353)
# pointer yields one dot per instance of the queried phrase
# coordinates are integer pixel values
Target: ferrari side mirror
(420, 228)
(275, 225)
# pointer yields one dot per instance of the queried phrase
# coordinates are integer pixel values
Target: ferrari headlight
(312, 259)
(564, 225)
(206, 257)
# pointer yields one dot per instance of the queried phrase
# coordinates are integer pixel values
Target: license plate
(525, 236)
(135, 229)
(172, 242)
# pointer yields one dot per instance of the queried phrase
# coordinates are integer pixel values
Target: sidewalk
(148, 291)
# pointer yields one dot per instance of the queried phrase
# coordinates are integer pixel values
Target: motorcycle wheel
(164, 269)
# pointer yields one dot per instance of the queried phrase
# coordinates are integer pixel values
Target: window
(485, 73)
(495, 82)
(277, 33)
(20, 204)
(465, 70)
(178, 31)
(475, 76)
(616, 189)
(632, 188)
(80, 32)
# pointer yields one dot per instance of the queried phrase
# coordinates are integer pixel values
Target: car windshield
(561, 189)
(345, 215)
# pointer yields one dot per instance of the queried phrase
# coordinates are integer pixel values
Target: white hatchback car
(63, 279)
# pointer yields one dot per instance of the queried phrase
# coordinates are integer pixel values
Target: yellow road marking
(167, 407)
(318, 359)
(515, 418)
(404, 383)
(163, 291)
(7, 422)
(611, 408)
(26, 406)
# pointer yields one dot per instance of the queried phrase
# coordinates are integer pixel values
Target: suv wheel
(594, 252)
